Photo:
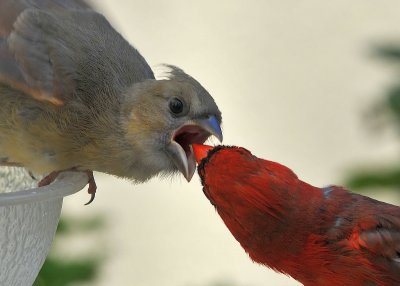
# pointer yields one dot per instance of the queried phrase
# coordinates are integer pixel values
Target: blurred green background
(80, 268)
(383, 116)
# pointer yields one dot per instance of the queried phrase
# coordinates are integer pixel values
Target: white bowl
(28, 221)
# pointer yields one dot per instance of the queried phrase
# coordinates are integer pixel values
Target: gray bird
(74, 94)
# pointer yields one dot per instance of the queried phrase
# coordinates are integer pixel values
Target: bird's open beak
(196, 131)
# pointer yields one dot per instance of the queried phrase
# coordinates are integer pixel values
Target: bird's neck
(274, 234)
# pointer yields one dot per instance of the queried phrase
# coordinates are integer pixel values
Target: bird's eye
(176, 106)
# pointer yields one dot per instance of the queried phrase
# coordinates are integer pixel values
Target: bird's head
(250, 194)
(164, 117)
(226, 173)
(237, 182)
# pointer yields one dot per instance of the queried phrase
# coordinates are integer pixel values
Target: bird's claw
(32, 175)
(48, 179)
(92, 197)
(92, 187)
(92, 184)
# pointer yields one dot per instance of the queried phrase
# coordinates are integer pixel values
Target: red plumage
(325, 236)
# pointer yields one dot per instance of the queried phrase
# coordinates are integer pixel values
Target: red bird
(319, 236)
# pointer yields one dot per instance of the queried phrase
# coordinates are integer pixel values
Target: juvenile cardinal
(74, 94)
(319, 236)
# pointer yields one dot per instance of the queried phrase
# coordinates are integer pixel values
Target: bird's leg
(49, 179)
(53, 175)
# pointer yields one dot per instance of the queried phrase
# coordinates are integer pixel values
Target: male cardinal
(75, 95)
(319, 236)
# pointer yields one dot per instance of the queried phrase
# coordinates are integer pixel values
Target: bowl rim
(66, 183)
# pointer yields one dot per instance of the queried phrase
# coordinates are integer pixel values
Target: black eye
(176, 106)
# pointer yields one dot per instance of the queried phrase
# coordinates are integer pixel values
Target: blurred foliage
(390, 102)
(56, 271)
(385, 114)
(59, 271)
(388, 52)
(389, 178)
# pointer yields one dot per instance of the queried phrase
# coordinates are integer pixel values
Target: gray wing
(384, 238)
(59, 50)
(10, 9)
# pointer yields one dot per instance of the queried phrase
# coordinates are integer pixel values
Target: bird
(75, 95)
(319, 236)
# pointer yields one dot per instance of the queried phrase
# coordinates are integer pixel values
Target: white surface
(26, 234)
(28, 221)
(19, 188)
(292, 79)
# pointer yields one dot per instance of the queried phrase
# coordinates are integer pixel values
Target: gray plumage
(75, 94)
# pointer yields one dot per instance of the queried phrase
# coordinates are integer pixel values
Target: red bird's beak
(200, 151)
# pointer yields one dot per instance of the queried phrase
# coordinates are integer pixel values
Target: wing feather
(384, 238)
(58, 50)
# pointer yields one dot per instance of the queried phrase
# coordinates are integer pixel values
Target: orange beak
(200, 151)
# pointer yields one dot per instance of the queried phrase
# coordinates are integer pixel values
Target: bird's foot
(91, 182)
(48, 179)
